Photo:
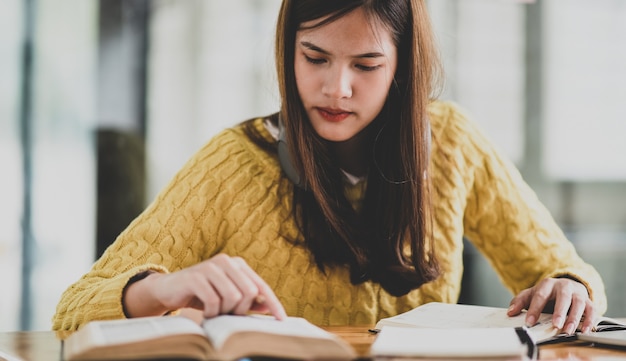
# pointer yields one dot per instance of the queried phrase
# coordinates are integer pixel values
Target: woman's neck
(353, 154)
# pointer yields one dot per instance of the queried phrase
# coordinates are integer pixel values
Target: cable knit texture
(231, 197)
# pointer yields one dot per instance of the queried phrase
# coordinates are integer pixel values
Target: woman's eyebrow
(316, 48)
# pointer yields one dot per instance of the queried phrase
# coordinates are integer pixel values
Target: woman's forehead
(355, 31)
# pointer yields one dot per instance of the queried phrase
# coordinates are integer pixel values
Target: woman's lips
(333, 115)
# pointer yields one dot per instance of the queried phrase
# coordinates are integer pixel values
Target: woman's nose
(338, 83)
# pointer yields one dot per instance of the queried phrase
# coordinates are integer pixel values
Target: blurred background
(101, 102)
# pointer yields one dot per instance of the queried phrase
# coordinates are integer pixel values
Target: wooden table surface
(46, 345)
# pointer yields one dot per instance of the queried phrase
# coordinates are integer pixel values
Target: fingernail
(569, 329)
(558, 322)
(511, 307)
(530, 321)
(586, 329)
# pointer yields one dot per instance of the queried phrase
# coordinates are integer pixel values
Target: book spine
(526, 339)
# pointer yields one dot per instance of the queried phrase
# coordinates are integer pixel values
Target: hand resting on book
(571, 302)
(219, 285)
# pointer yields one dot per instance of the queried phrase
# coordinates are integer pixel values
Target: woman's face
(344, 70)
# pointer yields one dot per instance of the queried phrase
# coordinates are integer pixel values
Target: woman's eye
(367, 67)
(314, 60)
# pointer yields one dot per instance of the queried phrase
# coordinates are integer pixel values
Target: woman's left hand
(571, 302)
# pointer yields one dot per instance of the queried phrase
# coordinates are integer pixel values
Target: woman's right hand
(219, 285)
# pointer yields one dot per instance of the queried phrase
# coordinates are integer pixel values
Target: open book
(220, 338)
(455, 316)
(613, 338)
(458, 316)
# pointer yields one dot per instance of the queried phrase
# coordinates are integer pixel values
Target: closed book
(456, 343)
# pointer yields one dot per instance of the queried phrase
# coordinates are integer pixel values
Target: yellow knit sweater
(227, 199)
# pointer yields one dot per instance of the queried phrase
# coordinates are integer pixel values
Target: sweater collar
(273, 130)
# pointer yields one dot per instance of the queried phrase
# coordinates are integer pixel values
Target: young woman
(348, 205)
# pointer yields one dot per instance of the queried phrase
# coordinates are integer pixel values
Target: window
(585, 90)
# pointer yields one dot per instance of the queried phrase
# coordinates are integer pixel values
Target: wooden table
(46, 346)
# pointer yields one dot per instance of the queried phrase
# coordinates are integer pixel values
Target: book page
(142, 328)
(218, 329)
(609, 324)
(445, 315)
(614, 338)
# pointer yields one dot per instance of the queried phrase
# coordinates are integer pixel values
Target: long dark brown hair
(396, 213)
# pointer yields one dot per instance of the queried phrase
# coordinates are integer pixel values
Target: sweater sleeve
(187, 222)
(508, 224)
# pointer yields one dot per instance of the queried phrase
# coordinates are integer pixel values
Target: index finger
(266, 296)
(538, 301)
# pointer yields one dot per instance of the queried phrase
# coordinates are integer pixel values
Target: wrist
(138, 299)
